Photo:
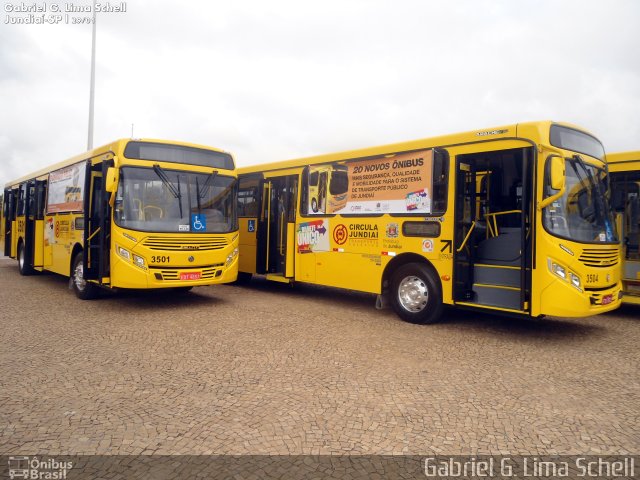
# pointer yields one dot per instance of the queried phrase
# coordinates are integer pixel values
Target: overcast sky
(278, 79)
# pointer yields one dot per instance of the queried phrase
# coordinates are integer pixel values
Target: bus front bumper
(562, 300)
(126, 275)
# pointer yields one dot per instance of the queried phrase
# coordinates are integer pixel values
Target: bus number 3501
(160, 259)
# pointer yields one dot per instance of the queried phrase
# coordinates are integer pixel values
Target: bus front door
(29, 225)
(97, 223)
(492, 242)
(38, 244)
(276, 231)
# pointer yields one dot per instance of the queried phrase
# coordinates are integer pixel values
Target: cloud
(283, 79)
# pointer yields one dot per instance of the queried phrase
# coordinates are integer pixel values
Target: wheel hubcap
(413, 294)
(21, 258)
(78, 277)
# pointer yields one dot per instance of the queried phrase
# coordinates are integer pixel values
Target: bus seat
(152, 212)
(503, 249)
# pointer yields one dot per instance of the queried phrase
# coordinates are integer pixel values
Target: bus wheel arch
(413, 287)
(84, 290)
(77, 248)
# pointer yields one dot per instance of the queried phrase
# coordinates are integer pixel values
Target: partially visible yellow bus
(328, 187)
(513, 219)
(624, 168)
(136, 214)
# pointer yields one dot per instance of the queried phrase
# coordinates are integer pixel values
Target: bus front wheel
(416, 294)
(84, 290)
(23, 268)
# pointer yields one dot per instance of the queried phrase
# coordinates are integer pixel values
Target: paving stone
(269, 369)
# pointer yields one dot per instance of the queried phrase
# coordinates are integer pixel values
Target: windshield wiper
(206, 186)
(599, 198)
(200, 194)
(167, 183)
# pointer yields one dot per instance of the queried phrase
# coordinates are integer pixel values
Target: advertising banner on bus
(66, 189)
(400, 183)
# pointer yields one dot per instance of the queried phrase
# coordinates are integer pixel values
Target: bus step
(497, 296)
(278, 278)
(497, 275)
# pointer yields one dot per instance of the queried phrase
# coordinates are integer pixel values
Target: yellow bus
(136, 213)
(513, 219)
(624, 170)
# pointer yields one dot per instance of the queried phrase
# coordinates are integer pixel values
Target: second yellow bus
(513, 219)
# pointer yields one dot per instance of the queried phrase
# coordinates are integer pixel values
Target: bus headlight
(124, 253)
(575, 281)
(559, 270)
(231, 257)
(139, 261)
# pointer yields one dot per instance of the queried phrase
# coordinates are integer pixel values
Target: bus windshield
(583, 213)
(159, 200)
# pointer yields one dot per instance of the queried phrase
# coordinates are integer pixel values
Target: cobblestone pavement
(269, 369)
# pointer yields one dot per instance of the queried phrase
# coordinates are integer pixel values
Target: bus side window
(40, 200)
(248, 197)
(440, 179)
(304, 191)
(21, 202)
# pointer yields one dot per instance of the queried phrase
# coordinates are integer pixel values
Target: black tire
(23, 268)
(314, 205)
(84, 290)
(416, 295)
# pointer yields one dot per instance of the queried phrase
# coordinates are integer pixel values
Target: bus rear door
(276, 228)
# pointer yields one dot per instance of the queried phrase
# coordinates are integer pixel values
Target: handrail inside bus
(93, 234)
(492, 221)
(466, 238)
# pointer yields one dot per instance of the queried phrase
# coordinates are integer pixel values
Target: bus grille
(599, 258)
(185, 244)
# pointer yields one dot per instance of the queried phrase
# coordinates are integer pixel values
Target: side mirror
(111, 182)
(557, 173)
(556, 180)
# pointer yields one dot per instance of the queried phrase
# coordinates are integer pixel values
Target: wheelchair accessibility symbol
(252, 226)
(198, 223)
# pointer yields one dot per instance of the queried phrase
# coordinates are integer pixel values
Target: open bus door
(493, 238)
(97, 223)
(25, 262)
(276, 228)
(9, 213)
(38, 244)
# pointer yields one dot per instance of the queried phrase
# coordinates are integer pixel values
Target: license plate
(190, 276)
(607, 299)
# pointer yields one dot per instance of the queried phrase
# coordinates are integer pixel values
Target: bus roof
(117, 146)
(538, 129)
(624, 161)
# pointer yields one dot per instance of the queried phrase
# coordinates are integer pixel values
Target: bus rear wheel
(84, 290)
(416, 294)
(23, 268)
